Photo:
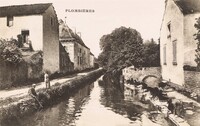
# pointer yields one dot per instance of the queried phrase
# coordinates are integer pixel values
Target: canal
(96, 104)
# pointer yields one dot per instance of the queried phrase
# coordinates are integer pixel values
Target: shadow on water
(113, 98)
(64, 113)
(96, 104)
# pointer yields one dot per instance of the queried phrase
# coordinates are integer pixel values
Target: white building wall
(84, 54)
(33, 23)
(170, 71)
(73, 48)
(87, 58)
(77, 46)
(190, 42)
(91, 61)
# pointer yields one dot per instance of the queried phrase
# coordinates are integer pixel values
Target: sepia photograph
(99, 62)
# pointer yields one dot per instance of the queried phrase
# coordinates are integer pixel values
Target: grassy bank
(27, 105)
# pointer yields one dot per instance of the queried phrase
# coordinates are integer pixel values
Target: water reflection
(63, 114)
(97, 104)
(96, 113)
(112, 98)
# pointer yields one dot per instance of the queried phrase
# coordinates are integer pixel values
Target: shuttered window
(169, 30)
(164, 55)
(10, 21)
(174, 46)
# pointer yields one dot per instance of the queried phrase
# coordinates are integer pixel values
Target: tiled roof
(188, 6)
(21, 10)
(64, 31)
(67, 35)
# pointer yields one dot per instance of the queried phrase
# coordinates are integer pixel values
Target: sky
(143, 15)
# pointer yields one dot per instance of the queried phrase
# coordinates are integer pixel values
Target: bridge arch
(152, 81)
(147, 76)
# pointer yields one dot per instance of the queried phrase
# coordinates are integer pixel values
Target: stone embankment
(177, 108)
(191, 88)
(160, 106)
(27, 106)
(178, 104)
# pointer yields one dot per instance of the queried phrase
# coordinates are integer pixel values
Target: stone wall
(12, 73)
(139, 74)
(192, 80)
(30, 69)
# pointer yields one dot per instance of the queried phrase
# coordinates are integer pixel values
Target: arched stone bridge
(142, 75)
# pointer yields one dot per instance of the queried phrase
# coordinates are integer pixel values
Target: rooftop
(67, 35)
(21, 10)
(188, 6)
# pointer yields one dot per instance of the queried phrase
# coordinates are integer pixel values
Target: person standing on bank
(46, 80)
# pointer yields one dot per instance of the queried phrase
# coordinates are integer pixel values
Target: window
(52, 22)
(169, 30)
(164, 55)
(78, 60)
(25, 34)
(174, 46)
(10, 21)
(169, 26)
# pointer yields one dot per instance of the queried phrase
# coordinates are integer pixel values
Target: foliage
(35, 61)
(197, 37)
(123, 47)
(36, 58)
(19, 39)
(9, 51)
(151, 54)
(189, 68)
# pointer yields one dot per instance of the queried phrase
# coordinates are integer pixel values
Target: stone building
(177, 41)
(91, 60)
(65, 63)
(79, 53)
(37, 24)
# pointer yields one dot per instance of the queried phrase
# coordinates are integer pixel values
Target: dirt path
(20, 92)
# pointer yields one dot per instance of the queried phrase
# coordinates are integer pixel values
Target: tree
(9, 51)
(197, 37)
(123, 47)
(151, 54)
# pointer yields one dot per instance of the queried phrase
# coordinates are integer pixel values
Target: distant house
(79, 53)
(177, 41)
(35, 23)
(91, 60)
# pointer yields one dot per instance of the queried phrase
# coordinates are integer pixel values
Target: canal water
(96, 104)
